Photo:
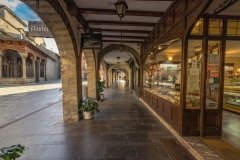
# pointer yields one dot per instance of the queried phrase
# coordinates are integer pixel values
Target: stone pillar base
(72, 118)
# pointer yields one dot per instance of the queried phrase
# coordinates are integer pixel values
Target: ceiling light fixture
(118, 57)
(121, 7)
(170, 58)
(160, 47)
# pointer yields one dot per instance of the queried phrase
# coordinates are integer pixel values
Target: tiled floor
(124, 130)
(231, 129)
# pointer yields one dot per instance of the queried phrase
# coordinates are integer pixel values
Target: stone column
(44, 71)
(0, 66)
(33, 63)
(38, 63)
(24, 68)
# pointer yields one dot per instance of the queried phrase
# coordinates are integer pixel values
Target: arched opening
(11, 64)
(91, 73)
(29, 65)
(57, 20)
(129, 58)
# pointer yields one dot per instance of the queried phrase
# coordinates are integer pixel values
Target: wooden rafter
(119, 31)
(72, 9)
(124, 37)
(124, 41)
(121, 23)
(113, 12)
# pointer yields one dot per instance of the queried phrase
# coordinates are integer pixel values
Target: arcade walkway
(124, 130)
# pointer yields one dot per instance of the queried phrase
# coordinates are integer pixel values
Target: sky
(26, 14)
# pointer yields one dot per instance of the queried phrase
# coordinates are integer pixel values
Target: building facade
(23, 60)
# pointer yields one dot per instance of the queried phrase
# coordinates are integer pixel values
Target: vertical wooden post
(221, 73)
(204, 72)
(183, 87)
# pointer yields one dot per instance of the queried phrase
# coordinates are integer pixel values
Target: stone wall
(53, 68)
(5, 26)
(16, 80)
(12, 19)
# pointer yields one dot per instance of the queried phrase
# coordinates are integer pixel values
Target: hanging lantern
(121, 7)
(121, 46)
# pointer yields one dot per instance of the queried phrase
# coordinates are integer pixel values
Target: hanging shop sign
(91, 41)
(38, 29)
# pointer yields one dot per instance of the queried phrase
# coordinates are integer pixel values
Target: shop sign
(38, 29)
(91, 41)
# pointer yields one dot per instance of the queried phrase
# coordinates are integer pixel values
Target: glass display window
(194, 74)
(212, 76)
(164, 78)
(231, 94)
(215, 27)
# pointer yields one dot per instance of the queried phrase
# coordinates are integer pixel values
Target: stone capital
(33, 59)
(1, 54)
(38, 60)
(23, 55)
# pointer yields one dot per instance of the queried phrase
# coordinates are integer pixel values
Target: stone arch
(118, 66)
(52, 13)
(11, 63)
(114, 47)
(91, 73)
(104, 67)
(126, 67)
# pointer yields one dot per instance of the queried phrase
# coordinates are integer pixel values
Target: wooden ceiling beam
(119, 41)
(121, 23)
(156, 0)
(124, 37)
(114, 12)
(119, 31)
(73, 11)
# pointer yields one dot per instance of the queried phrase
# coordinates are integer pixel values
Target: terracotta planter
(88, 115)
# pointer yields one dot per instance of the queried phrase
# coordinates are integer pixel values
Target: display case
(164, 81)
(231, 94)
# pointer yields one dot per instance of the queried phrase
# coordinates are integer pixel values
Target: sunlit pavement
(17, 101)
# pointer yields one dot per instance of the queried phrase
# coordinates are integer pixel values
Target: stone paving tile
(124, 130)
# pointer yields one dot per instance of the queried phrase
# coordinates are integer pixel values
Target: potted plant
(11, 153)
(89, 106)
(101, 87)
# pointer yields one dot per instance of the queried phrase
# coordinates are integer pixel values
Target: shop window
(212, 76)
(164, 74)
(231, 94)
(233, 27)
(198, 28)
(145, 74)
(194, 74)
(215, 27)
